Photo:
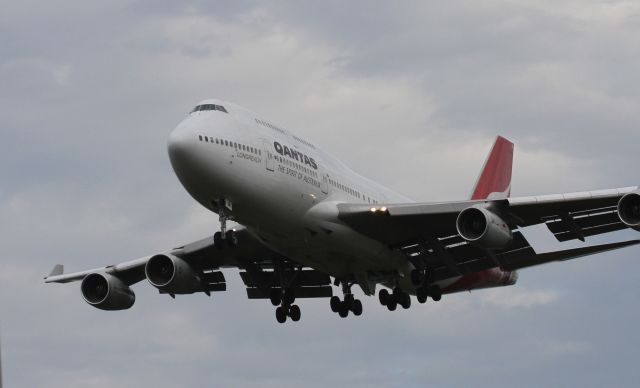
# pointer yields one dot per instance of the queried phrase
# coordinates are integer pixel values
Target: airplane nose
(180, 145)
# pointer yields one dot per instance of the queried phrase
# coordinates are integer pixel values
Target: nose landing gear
(224, 237)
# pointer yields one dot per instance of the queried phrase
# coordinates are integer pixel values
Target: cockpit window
(209, 107)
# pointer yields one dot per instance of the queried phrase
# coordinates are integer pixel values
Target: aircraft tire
(392, 305)
(436, 293)
(275, 295)
(344, 310)
(421, 294)
(231, 239)
(405, 301)
(218, 241)
(357, 308)
(334, 302)
(294, 313)
(384, 297)
(281, 314)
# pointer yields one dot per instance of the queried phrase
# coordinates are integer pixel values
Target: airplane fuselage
(283, 189)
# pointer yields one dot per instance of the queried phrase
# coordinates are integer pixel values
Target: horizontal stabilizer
(569, 254)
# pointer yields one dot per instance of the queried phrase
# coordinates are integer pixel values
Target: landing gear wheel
(357, 308)
(417, 278)
(392, 305)
(231, 238)
(294, 313)
(276, 296)
(422, 294)
(436, 293)
(218, 241)
(344, 310)
(384, 297)
(281, 314)
(405, 301)
(334, 302)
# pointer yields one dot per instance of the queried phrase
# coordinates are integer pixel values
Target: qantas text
(295, 155)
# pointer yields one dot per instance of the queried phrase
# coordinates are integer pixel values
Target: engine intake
(484, 228)
(107, 292)
(171, 274)
(629, 210)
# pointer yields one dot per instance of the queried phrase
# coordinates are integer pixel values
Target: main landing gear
(283, 294)
(284, 298)
(350, 303)
(395, 298)
(224, 237)
(424, 289)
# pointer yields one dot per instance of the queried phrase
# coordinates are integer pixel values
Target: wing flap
(525, 261)
(303, 278)
(596, 230)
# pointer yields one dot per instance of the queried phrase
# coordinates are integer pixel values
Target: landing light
(373, 210)
(383, 209)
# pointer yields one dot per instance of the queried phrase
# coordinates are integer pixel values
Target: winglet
(494, 181)
(57, 270)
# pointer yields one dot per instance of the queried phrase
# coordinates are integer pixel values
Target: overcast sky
(411, 94)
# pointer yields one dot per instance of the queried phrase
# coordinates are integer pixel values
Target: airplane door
(325, 183)
(268, 155)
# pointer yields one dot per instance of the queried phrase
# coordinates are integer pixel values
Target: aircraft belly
(343, 252)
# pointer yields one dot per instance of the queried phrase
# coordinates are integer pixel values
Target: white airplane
(308, 222)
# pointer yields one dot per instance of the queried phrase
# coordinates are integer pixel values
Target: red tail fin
(494, 181)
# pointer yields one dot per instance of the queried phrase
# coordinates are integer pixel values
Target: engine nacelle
(172, 275)
(629, 210)
(107, 292)
(484, 228)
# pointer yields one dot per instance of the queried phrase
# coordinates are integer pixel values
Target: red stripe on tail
(495, 179)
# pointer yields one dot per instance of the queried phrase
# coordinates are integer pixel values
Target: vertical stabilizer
(494, 181)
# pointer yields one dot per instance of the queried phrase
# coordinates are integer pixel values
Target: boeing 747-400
(308, 224)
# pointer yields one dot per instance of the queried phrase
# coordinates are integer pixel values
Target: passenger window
(226, 143)
(200, 136)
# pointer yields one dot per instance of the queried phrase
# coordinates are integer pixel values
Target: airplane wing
(203, 263)
(568, 216)
(200, 255)
(429, 233)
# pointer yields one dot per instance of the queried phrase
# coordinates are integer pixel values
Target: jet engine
(629, 210)
(172, 275)
(484, 228)
(107, 292)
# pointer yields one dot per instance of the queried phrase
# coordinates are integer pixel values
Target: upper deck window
(209, 107)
